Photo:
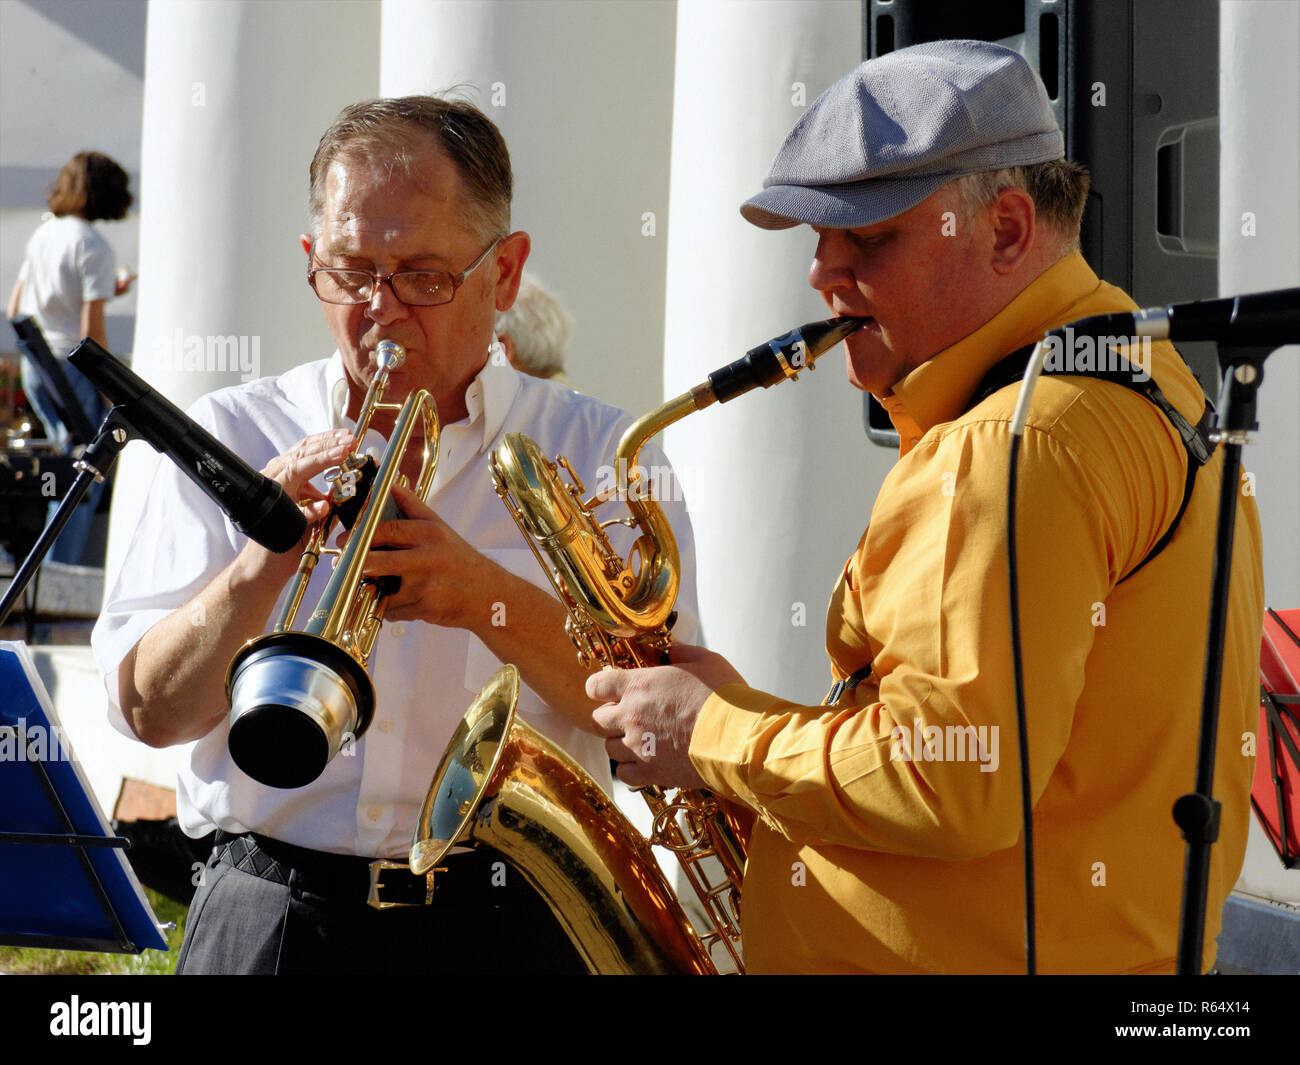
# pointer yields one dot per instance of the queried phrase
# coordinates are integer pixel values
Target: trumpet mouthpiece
(389, 354)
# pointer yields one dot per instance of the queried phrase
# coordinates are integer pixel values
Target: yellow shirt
(889, 832)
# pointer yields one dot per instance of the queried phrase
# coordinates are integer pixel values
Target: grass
(39, 960)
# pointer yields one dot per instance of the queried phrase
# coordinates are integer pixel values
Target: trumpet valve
(343, 483)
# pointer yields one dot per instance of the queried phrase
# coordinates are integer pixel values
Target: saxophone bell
(503, 786)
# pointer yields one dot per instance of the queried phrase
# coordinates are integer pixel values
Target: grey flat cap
(883, 138)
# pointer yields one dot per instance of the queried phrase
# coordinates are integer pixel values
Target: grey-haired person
(535, 331)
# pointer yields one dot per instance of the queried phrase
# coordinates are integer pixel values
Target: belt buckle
(377, 868)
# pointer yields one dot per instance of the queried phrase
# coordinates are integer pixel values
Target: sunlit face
(922, 277)
(384, 223)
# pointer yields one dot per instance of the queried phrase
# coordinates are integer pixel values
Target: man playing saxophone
(888, 834)
(410, 242)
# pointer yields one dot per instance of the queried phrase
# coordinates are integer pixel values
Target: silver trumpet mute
(296, 701)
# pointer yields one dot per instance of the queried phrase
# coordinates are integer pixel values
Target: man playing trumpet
(410, 242)
(943, 211)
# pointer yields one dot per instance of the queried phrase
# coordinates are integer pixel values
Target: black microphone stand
(95, 464)
(1197, 813)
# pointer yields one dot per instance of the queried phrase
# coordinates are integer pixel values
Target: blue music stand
(64, 881)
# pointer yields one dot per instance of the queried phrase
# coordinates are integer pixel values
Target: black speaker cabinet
(1135, 87)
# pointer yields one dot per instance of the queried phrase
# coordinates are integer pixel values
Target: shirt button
(374, 812)
(399, 629)
(384, 724)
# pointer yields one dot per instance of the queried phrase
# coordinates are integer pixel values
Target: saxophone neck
(780, 359)
(656, 421)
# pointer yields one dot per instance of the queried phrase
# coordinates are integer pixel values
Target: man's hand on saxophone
(648, 715)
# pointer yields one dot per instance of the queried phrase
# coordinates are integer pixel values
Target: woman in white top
(69, 272)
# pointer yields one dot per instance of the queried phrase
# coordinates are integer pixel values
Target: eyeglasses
(416, 288)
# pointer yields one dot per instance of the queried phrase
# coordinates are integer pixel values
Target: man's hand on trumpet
(294, 471)
(445, 581)
(648, 715)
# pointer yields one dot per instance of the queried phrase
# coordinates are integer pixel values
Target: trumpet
(620, 616)
(299, 697)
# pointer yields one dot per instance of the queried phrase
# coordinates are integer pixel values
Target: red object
(1275, 792)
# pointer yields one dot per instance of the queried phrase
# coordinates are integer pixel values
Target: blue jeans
(71, 543)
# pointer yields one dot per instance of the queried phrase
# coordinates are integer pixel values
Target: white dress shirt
(425, 676)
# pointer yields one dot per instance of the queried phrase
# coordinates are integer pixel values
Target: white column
(582, 92)
(237, 94)
(1259, 222)
(1259, 245)
(780, 483)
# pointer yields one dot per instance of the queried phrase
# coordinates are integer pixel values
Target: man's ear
(305, 240)
(511, 254)
(1014, 228)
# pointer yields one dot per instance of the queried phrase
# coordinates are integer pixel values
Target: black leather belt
(379, 882)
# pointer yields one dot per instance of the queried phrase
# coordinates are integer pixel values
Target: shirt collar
(489, 397)
(938, 390)
(336, 389)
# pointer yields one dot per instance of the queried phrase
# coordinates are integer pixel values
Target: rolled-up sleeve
(180, 542)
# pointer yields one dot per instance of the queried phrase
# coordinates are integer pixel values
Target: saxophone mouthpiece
(780, 357)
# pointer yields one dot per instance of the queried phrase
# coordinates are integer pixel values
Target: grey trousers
(484, 919)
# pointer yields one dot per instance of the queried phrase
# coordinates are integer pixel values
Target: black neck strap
(1196, 441)
(1195, 438)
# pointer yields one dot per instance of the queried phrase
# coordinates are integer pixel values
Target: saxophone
(504, 786)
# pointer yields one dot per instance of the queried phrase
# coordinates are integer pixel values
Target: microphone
(257, 505)
(1261, 318)
(780, 357)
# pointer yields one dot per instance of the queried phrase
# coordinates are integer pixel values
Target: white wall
(72, 80)
(237, 96)
(1259, 246)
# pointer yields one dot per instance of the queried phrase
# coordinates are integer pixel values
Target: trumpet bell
(296, 699)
